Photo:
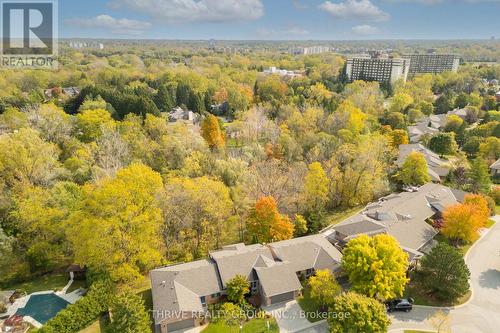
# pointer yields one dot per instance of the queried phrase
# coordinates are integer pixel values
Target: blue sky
(280, 19)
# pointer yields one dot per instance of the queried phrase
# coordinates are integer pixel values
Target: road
(481, 314)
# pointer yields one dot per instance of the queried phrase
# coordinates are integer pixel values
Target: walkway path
(481, 314)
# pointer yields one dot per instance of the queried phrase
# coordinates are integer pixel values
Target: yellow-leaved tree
(376, 266)
(212, 133)
(117, 226)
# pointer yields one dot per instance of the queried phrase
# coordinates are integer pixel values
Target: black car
(405, 304)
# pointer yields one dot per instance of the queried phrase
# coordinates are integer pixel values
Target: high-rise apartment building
(309, 50)
(376, 68)
(432, 63)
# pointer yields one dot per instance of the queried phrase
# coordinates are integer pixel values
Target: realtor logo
(29, 33)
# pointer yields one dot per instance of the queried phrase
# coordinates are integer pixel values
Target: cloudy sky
(280, 19)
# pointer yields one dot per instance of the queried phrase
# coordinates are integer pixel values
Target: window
(202, 299)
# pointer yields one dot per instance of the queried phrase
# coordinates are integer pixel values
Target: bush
(83, 313)
(3, 308)
(495, 194)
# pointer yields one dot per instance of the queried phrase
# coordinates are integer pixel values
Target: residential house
(426, 126)
(495, 168)
(438, 168)
(178, 114)
(403, 215)
(57, 92)
(182, 292)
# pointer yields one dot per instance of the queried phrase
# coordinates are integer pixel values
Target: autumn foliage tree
(376, 266)
(462, 221)
(212, 133)
(265, 223)
(414, 170)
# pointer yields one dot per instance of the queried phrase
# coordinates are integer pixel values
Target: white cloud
(118, 26)
(365, 29)
(195, 10)
(360, 9)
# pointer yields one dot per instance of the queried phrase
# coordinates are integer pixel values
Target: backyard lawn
(97, 327)
(42, 283)
(341, 215)
(251, 326)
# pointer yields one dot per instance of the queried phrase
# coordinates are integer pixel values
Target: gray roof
(496, 165)
(437, 167)
(240, 260)
(278, 279)
(179, 287)
(313, 251)
(403, 215)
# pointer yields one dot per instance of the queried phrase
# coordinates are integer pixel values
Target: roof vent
(163, 283)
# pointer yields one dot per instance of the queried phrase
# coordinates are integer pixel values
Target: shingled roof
(401, 215)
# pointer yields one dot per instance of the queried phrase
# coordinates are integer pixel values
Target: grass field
(42, 283)
(341, 215)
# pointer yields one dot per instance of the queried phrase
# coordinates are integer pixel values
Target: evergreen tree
(444, 273)
(129, 314)
(479, 176)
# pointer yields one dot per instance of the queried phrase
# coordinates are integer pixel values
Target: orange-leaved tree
(212, 132)
(462, 221)
(265, 223)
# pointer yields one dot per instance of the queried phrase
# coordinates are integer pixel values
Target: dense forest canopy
(264, 152)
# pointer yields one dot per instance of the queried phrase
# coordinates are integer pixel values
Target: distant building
(282, 72)
(57, 92)
(495, 168)
(377, 68)
(309, 50)
(178, 114)
(432, 63)
(86, 45)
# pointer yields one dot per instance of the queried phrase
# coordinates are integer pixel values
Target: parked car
(404, 304)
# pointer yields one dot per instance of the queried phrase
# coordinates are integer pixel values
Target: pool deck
(21, 302)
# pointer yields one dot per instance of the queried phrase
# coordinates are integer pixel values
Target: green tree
(444, 273)
(237, 288)
(376, 266)
(443, 144)
(400, 102)
(91, 123)
(129, 314)
(414, 170)
(358, 313)
(479, 176)
(444, 103)
(324, 287)
(25, 158)
(232, 314)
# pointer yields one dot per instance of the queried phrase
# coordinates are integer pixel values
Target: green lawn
(422, 298)
(309, 305)
(490, 223)
(251, 326)
(340, 215)
(97, 327)
(76, 285)
(42, 283)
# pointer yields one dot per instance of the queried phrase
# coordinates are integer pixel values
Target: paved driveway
(482, 313)
(290, 318)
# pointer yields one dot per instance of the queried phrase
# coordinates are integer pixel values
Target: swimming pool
(43, 307)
